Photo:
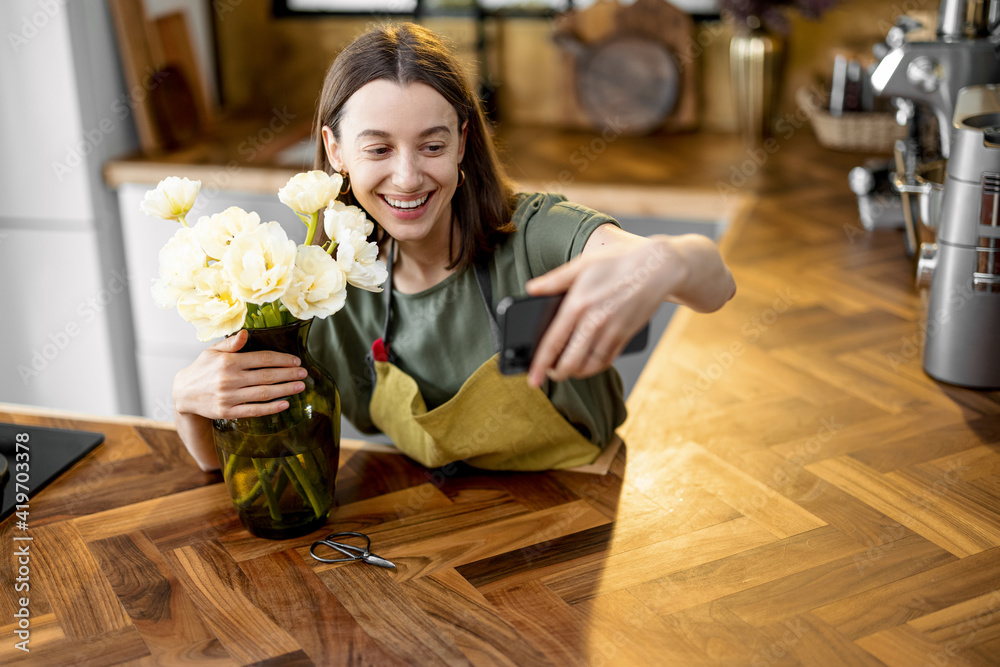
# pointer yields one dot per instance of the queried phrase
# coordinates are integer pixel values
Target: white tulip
(172, 198)
(259, 263)
(211, 306)
(179, 258)
(359, 260)
(310, 191)
(216, 232)
(212, 272)
(318, 287)
(339, 219)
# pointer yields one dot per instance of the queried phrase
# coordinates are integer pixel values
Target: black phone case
(523, 321)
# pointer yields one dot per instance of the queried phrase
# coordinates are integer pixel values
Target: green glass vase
(281, 469)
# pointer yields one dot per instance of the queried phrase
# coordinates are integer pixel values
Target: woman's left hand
(614, 288)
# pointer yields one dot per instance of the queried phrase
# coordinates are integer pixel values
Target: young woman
(398, 120)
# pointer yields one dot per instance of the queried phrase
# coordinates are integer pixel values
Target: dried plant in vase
(757, 58)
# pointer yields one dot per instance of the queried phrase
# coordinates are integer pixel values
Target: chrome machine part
(904, 153)
(925, 74)
(929, 188)
(861, 180)
(933, 72)
(963, 316)
(905, 110)
(926, 263)
(879, 205)
(963, 19)
(931, 176)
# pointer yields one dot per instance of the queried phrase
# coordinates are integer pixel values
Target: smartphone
(523, 321)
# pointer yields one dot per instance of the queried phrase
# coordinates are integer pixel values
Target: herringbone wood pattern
(794, 491)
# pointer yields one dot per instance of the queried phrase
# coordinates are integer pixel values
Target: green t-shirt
(441, 335)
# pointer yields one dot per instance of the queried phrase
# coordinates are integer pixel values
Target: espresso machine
(947, 90)
(964, 310)
(923, 77)
(932, 72)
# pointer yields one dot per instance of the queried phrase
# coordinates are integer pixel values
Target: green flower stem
(290, 475)
(302, 482)
(254, 319)
(230, 465)
(265, 484)
(183, 219)
(315, 469)
(280, 312)
(244, 501)
(309, 473)
(282, 480)
(312, 227)
(310, 456)
(295, 408)
(272, 318)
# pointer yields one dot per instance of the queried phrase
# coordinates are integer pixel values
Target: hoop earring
(461, 178)
(347, 179)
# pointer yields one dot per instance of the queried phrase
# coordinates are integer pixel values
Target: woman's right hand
(223, 385)
(219, 384)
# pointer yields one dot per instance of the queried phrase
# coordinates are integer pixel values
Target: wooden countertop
(794, 490)
(242, 153)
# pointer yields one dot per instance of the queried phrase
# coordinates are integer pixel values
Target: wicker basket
(859, 131)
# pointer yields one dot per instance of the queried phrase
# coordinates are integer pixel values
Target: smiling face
(401, 146)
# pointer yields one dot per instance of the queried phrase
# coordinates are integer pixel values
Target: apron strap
(382, 344)
(387, 290)
(486, 291)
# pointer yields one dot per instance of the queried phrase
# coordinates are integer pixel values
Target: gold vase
(756, 60)
(281, 469)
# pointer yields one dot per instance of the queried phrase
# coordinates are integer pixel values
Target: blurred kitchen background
(103, 99)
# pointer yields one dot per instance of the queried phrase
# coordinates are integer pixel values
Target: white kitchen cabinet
(65, 339)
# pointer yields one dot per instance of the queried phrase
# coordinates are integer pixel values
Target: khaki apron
(495, 421)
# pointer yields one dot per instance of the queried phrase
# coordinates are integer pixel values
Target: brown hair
(409, 53)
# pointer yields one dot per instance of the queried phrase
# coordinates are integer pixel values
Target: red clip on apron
(495, 421)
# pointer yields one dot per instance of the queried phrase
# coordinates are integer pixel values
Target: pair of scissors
(349, 550)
